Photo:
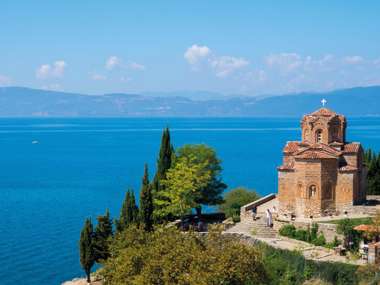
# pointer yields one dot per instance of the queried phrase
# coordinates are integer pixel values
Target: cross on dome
(323, 101)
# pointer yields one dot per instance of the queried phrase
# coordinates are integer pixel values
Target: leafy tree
(182, 187)
(146, 202)
(128, 213)
(103, 233)
(235, 199)
(167, 256)
(372, 161)
(201, 154)
(86, 250)
(164, 160)
(351, 237)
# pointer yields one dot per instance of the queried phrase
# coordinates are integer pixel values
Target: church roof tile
(324, 112)
(291, 147)
(315, 154)
(351, 148)
(323, 150)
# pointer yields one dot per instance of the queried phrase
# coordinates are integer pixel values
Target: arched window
(318, 136)
(312, 191)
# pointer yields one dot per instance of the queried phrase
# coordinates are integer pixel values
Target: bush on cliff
(168, 256)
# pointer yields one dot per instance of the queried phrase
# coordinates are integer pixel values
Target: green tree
(372, 161)
(103, 234)
(211, 193)
(235, 199)
(167, 256)
(182, 188)
(146, 202)
(129, 212)
(164, 160)
(351, 237)
(86, 250)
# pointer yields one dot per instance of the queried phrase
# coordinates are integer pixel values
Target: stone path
(257, 228)
(257, 231)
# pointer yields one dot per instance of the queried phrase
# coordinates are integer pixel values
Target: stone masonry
(322, 174)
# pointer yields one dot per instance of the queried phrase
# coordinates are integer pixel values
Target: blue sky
(232, 47)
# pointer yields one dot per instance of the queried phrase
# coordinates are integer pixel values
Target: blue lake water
(80, 167)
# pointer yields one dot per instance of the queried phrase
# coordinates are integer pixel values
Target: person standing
(254, 213)
(269, 218)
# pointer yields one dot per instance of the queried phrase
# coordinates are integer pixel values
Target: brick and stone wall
(322, 174)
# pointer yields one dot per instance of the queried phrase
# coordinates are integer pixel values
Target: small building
(322, 174)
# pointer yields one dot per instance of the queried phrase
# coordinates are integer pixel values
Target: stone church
(322, 174)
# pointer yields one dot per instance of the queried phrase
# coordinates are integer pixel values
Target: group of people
(268, 215)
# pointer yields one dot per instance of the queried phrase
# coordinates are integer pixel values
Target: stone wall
(345, 191)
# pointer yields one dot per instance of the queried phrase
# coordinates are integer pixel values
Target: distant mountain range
(25, 102)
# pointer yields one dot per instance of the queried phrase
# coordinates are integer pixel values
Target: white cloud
(5, 80)
(376, 62)
(355, 59)
(196, 53)
(54, 70)
(136, 66)
(285, 61)
(201, 56)
(226, 65)
(43, 71)
(98, 77)
(113, 62)
(59, 68)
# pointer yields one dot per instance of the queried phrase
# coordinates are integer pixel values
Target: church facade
(322, 174)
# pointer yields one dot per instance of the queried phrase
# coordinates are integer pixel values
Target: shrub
(236, 218)
(167, 256)
(237, 198)
(301, 235)
(351, 237)
(288, 231)
(334, 243)
(313, 232)
(320, 240)
(291, 268)
(309, 235)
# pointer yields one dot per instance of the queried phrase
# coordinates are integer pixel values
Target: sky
(230, 47)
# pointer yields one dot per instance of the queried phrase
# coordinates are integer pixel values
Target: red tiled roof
(325, 150)
(323, 112)
(291, 147)
(289, 166)
(351, 147)
(367, 228)
(315, 154)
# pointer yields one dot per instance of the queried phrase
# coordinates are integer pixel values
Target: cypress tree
(86, 250)
(133, 210)
(164, 160)
(103, 233)
(372, 161)
(128, 213)
(146, 202)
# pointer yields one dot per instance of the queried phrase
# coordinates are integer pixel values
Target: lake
(80, 167)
